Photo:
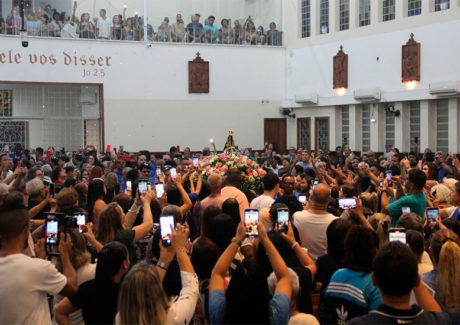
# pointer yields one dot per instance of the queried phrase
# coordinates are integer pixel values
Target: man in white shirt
(271, 188)
(103, 26)
(26, 281)
(312, 222)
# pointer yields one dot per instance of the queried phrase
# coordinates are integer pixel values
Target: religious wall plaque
(341, 69)
(198, 76)
(411, 60)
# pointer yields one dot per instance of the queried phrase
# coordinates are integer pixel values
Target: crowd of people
(85, 238)
(120, 27)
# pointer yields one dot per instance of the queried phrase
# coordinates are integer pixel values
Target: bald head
(214, 183)
(321, 194)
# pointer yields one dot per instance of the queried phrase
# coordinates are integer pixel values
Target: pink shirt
(234, 193)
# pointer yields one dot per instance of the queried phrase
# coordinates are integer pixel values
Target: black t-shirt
(388, 315)
(97, 302)
(38, 216)
(326, 265)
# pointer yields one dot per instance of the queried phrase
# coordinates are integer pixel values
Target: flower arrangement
(220, 163)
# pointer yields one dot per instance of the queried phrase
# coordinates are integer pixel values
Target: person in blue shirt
(195, 30)
(396, 276)
(247, 299)
(350, 292)
(415, 200)
(211, 31)
(443, 168)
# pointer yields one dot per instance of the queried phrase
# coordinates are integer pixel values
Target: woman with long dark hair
(95, 204)
(98, 298)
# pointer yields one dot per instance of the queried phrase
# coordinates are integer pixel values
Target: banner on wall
(6, 102)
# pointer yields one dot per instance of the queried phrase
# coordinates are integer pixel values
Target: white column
(378, 128)
(427, 125)
(427, 7)
(402, 127)
(355, 142)
(335, 128)
(454, 124)
(333, 13)
(314, 16)
(376, 9)
(354, 14)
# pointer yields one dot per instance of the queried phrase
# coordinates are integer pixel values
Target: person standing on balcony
(103, 25)
(178, 29)
(210, 30)
(195, 30)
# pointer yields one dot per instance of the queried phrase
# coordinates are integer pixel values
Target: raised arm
(217, 281)
(187, 203)
(147, 223)
(279, 267)
(303, 257)
(65, 246)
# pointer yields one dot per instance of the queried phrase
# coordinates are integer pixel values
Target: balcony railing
(45, 21)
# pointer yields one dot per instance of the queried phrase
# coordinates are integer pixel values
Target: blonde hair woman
(445, 278)
(142, 299)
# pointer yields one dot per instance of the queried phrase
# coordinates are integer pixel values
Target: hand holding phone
(283, 220)
(173, 173)
(159, 189)
(143, 188)
(166, 222)
(195, 162)
(389, 176)
(129, 186)
(347, 204)
(432, 214)
(251, 219)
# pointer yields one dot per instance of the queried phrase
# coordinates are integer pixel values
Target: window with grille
(414, 122)
(414, 7)
(303, 133)
(324, 16)
(345, 123)
(344, 14)
(442, 125)
(389, 130)
(306, 18)
(440, 5)
(388, 10)
(364, 12)
(366, 132)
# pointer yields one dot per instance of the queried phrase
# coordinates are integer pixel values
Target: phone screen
(398, 235)
(51, 231)
(160, 189)
(129, 186)
(195, 162)
(405, 209)
(52, 189)
(347, 204)
(165, 228)
(158, 172)
(381, 184)
(303, 198)
(173, 172)
(389, 175)
(81, 221)
(283, 219)
(432, 214)
(251, 219)
(143, 188)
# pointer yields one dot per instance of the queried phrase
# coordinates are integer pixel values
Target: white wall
(375, 62)
(146, 99)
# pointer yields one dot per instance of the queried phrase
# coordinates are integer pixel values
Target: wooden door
(275, 132)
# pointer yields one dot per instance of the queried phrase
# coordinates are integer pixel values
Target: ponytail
(448, 278)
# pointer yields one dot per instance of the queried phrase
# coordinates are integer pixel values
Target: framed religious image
(198, 76)
(411, 60)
